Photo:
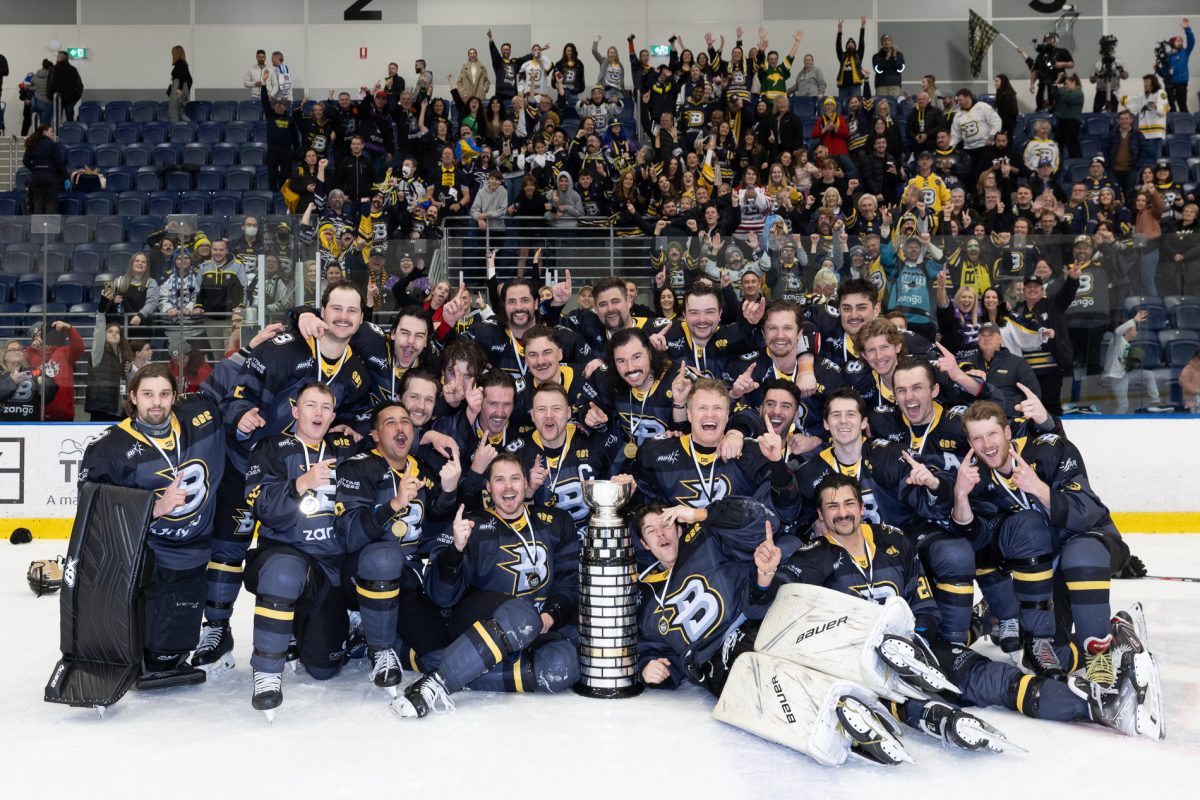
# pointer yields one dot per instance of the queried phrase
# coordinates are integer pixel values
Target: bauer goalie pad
(100, 613)
(842, 635)
(806, 710)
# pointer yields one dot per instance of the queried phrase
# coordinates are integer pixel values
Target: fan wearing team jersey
(699, 340)
(559, 456)
(688, 470)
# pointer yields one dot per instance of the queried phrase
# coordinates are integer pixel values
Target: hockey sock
(1085, 566)
(1033, 581)
(273, 620)
(997, 589)
(513, 627)
(379, 603)
(1043, 698)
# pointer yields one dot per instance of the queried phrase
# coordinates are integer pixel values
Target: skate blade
(1149, 716)
(294, 665)
(269, 713)
(102, 711)
(978, 735)
(402, 708)
(394, 691)
(902, 656)
(869, 735)
(219, 667)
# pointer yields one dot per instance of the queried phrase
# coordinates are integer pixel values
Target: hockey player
(784, 412)
(688, 470)
(612, 313)
(510, 577)
(257, 405)
(544, 357)
(174, 447)
(788, 354)
(388, 502)
(295, 571)
(559, 457)
(699, 340)
(876, 562)
(1029, 502)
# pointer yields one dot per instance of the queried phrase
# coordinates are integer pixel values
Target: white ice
(339, 739)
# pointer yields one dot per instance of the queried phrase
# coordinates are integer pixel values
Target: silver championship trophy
(607, 597)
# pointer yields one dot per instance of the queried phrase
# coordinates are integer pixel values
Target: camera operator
(1171, 62)
(1107, 75)
(1047, 69)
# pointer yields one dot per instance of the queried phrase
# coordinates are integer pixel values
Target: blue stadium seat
(83, 308)
(237, 132)
(120, 179)
(213, 226)
(194, 203)
(147, 180)
(258, 132)
(182, 132)
(77, 230)
(70, 133)
(144, 111)
(21, 179)
(223, 111)
(1090, 148)
(168, 155)
(117, 111)
(88, 258)
(195, 155)
(57, 258)
(81, 155)
(48, 308)
(177, 181)
(239, 179)
(110, 230)
(163, 112)
(262, 179)
(132, 204)
(1177, 147)
(1075, 169)
(253, 154)
(1095, 125)
(14, 231)
(1154, 307)
(108, 156)
(163, 203)
(139, 155)
(154, 133)
(127, 133)
(90, 111)
(19, 259)
(140, 228)
(1187, 315)
(1178, 346)
(198, 111)
(101, 204)
(208, 133)
(12, 203)
(249, 111)
(226, 154)
(100, 133)
(257, 204)
(1179, 169)
(210, 179)
(71, 204)
(1181, 122)
(29, 288)
(119, 256)
(226, 204)
(71, 289)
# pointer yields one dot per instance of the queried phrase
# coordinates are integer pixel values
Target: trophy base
(608, 693)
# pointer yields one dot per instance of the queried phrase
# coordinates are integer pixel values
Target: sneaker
(1041, 658)
(268, 692)
(957, 728)
(871, 737)
(427, 694)
(214, 651)
(1098, 661)
(1007, 634)
(385, 669)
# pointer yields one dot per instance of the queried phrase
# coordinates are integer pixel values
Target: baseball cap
(1082, 239)
(1098, 159)
(924, 154)
(1163, 164)
(1034, 278)
(378, 250)
(989, 327)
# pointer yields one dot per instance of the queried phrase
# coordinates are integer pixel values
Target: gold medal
(631, 449)
(399, 528)
(310, 504)
(663, 627)
(534, 581)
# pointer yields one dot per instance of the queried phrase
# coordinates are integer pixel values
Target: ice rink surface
(339, 739)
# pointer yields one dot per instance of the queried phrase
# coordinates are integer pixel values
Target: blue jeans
(1149, 270)
(1154, 149)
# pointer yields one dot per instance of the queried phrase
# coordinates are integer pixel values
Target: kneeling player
(876, 562)
(511, 576)
(296, 569)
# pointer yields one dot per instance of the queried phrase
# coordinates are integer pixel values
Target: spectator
(179, 295)
(47, 170)
(279, 79)
(810, 81)
(317, 129)
(1000, 368)
(1180, 273)
(1126, 364)
(832, 130)
(1148, 207)
(1189, 383)
(142, 355)
(1176, 75)
(55, 356)
(249, 246)
(28, 100)
(277, 286)
(357, 175)
(3, 71)
(1041, 332)
(1107, 78)
(134, 297)
(281, 137)
(111, 359)
(1006, 103)
(923, 123)
(255, 79)
(1126, 150)
(1151, 112)
(41, 93)
(21, 391)
(488, 209)
(506, 69)
(910, 282)
(221, 293)
(1047, 70)
(189, 367)
(974, 127)
(568, 76)
(65, 84)
(1040, 147)
(473, 78)
(850, 77)
(888, 64)
(88, 179)
(181, 84)
(773, 75)
(612, 71)
(301, 189)
(1068, 114)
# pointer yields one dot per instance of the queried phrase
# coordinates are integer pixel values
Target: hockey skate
(873, 737)
(957, 728)
(913, 662)
(427, 694)
(1098, 661)
(268, 693)
(1041, 659)
(214, 651)
(385, 670)
(1004, 633)
(292, 657)
(1133, 659)
(356, 640)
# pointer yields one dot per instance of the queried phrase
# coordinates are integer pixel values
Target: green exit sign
(660, 50)
(77, 52)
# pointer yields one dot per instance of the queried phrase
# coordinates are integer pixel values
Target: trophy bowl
(606, 494)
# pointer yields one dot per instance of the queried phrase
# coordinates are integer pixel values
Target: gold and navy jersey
(366, 485)
(579, 393)
(1014, 263)
(633, 415)
(194, 451)
(890, 568)
(684, 613)
(1074, 506)
(535, 556)
(727, 343)
(881, 472)
(582, 457)
(505, 352)
(283, 515)
(270, 378)
(677, 471)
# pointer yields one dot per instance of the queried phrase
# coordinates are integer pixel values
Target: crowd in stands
(730, 163)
